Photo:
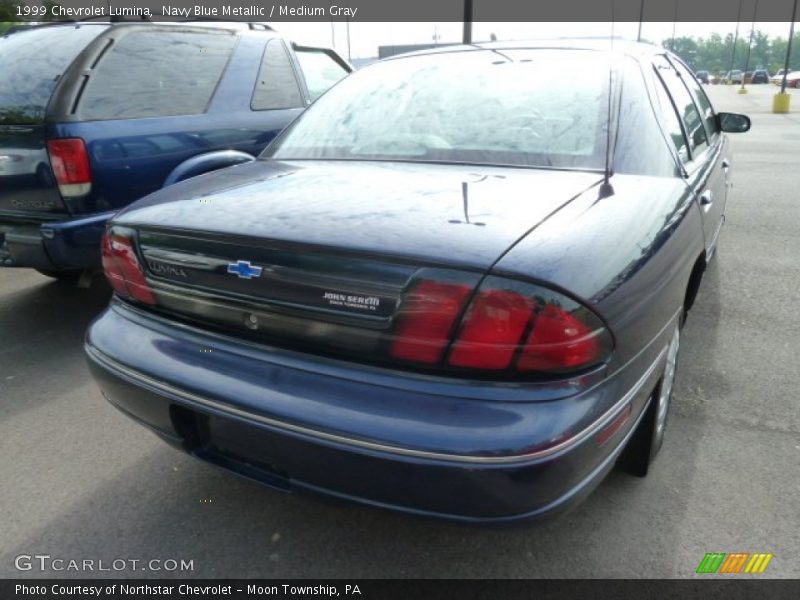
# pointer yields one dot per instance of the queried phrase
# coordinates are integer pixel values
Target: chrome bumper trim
(201, 402)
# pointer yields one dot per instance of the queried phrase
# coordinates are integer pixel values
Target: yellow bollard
(781, 102)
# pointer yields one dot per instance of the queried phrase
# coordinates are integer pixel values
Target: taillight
(70, 163)
(426, 320)
(561, 339)
(122, 268)
(509, 327)
(492, 330)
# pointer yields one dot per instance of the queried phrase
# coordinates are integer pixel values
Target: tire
(62, 276)
(644, 445)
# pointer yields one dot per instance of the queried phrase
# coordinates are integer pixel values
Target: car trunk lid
(326, 257)
(459, 216)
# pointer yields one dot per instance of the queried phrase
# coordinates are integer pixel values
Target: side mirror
(733, 122)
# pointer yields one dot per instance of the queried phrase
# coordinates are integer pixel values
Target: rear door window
(276, 86)
(687, 111)
(320, 71)
(701, 100)
(640, 147)
(157, 73)
(32, 62)
(670, 121)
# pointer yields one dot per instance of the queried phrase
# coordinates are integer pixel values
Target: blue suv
(96, 115)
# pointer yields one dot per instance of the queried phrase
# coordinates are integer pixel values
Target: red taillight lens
(112, 271)
(122, 266)
(492, 330)
(70, 163)
(560, 340)
(509, 326)
(426, 319)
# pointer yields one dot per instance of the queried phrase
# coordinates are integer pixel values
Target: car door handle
(706, 199)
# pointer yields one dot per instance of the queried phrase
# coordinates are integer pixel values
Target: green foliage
(8, 11)
(716, 53)
(5, 26)
(10, 20)
(21, 115)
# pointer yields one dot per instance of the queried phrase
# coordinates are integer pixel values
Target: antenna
(606, 189)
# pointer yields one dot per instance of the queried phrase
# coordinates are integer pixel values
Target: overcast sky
(366, 37)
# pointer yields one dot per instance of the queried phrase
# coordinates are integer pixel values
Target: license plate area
(226, 443)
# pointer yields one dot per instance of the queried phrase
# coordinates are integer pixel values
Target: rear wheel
(62, 276)
(649, 436)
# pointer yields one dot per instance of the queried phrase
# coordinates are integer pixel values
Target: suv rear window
(33, 60)
(157, 73)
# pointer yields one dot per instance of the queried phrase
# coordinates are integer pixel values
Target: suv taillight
(122, 266)
(70, 163)
(508, 326)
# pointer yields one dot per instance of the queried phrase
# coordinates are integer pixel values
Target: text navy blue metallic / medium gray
(454, 286)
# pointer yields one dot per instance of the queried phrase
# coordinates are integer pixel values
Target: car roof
(605, 44)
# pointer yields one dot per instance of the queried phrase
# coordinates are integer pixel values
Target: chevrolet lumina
(454, 286)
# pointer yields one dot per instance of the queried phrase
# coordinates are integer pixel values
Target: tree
(761, 51)
(714, 54)
(9, 18)
(711, 52)
(8, 11)
(685, 47)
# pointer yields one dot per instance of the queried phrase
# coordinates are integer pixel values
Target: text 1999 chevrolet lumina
(454, 286)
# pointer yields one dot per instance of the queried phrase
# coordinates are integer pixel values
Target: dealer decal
(352, 301)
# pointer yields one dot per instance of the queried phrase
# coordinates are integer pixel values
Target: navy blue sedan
(455, 286)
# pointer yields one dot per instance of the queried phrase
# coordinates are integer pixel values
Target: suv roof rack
(252, 25)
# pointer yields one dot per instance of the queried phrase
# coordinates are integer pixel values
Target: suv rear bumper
(54, 245)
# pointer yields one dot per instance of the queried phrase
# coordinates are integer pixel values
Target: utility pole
(743, 90)
(781, 102)
(789, 48)
(641, 18)
(333, 31)
(467, 37)
(735, 39)
(349, 58)
(674, 23)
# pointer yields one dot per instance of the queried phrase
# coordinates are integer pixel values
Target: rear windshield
(31, 61)
(537, 108)
(157, 74)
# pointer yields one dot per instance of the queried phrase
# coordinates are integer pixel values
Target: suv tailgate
(33, 62)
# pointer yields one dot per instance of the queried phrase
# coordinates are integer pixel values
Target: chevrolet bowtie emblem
(244, 270)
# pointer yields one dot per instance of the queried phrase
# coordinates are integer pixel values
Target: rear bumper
(314, 430)
(53, 245)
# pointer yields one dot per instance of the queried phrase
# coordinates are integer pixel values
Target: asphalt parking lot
(80, 481)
